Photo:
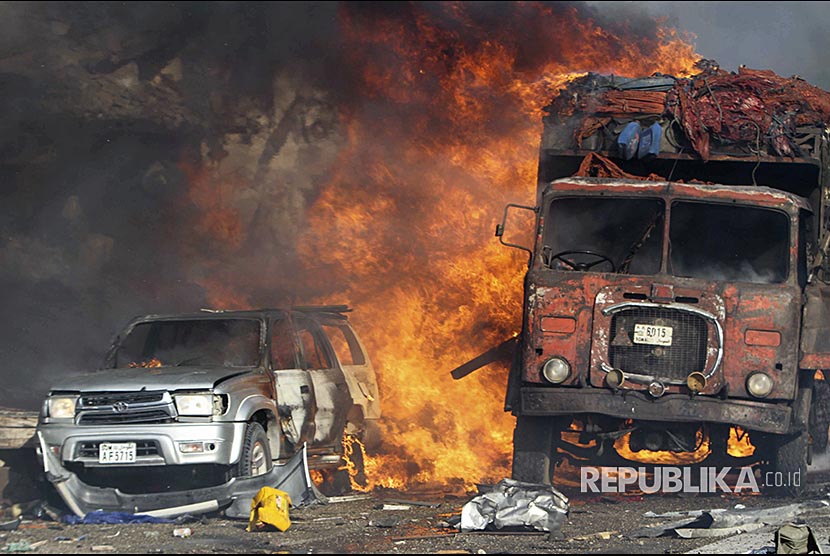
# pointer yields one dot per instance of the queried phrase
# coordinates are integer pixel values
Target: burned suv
(185, 405)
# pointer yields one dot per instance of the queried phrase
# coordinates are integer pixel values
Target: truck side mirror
(500, 228)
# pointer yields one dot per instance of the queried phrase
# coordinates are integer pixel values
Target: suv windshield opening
(728, 242)
(601, 234)
(198, 342)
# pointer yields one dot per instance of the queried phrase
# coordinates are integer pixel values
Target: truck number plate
(120, 452)
(652, 334)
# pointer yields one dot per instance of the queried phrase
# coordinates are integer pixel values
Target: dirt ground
(595, 524)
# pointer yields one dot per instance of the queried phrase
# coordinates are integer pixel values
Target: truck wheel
(820, 416)
(256, 453)
(789, 465)
(533, 449)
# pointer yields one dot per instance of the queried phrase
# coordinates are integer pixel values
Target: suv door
(331, 392)
(294, 388)
(360, 376)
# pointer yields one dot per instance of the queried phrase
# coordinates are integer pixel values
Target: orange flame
(441, 131)
(152, 363)
(664, 456)
(739, 444)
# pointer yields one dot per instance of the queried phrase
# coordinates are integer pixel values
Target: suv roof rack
(322, 308)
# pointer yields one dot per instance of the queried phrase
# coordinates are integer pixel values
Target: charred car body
(674, 308)
(187, 405)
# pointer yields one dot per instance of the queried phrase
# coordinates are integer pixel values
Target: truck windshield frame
(680, 237)
(728, 242)
(589, 231)
(230, 342)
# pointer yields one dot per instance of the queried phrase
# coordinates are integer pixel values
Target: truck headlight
(194, 404)
(61, 407)
(759, 384)
(556, 370)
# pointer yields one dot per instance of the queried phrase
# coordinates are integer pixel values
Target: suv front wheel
(256, 452)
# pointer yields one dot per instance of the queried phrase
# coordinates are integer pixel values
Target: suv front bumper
(768, 417)
(73, 443)
(234, 495)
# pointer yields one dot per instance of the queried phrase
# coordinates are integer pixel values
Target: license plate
(652, 334)
(116, 452)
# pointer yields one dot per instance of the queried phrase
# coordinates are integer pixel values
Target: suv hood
(155, 378)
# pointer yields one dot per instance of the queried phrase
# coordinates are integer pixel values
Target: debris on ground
(412, 503)
(796, 538)
(384, 522)
(183, 532)
(723, 522)
(395, 507)
(269, 508)
(514, 503)
(113, 518)
(292, 478)
(347, 498)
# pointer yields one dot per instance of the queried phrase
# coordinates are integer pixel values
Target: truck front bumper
(768, 417)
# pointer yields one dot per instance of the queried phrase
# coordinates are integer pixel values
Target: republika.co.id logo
(668, 479)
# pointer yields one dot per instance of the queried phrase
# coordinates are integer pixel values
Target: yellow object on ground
(270, 507)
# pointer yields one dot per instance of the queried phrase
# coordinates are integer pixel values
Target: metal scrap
(714, 523)
(754, 110)
(514, 503)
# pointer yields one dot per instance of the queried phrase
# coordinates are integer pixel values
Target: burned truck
(677, 286)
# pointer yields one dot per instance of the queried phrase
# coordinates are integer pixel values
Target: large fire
(442, 121)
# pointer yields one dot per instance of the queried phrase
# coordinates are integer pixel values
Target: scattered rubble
(513, 503)
(723, 522)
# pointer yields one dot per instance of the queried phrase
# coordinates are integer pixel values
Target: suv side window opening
(314, 355)
(283, 346)
(344, 343)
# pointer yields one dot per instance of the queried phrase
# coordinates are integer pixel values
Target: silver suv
(186, 405)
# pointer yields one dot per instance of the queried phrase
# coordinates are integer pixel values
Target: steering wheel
(582, 267)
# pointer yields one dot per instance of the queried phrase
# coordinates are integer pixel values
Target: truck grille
(142, 448)
(687, 352)
(126, 408)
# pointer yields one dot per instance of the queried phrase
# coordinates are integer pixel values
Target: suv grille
(687, 352)
(92, 400)
(126, 408)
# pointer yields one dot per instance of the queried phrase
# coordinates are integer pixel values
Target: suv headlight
(200, 405)
(61, 407)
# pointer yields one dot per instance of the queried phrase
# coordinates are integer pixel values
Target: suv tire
(256, 452)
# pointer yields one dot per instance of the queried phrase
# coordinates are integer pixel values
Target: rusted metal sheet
(767, 417)
(502, 353)
(815, 336)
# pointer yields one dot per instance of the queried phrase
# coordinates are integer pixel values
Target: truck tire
(256, 452)
(789, 465)
(820, 416)
(533, 449)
